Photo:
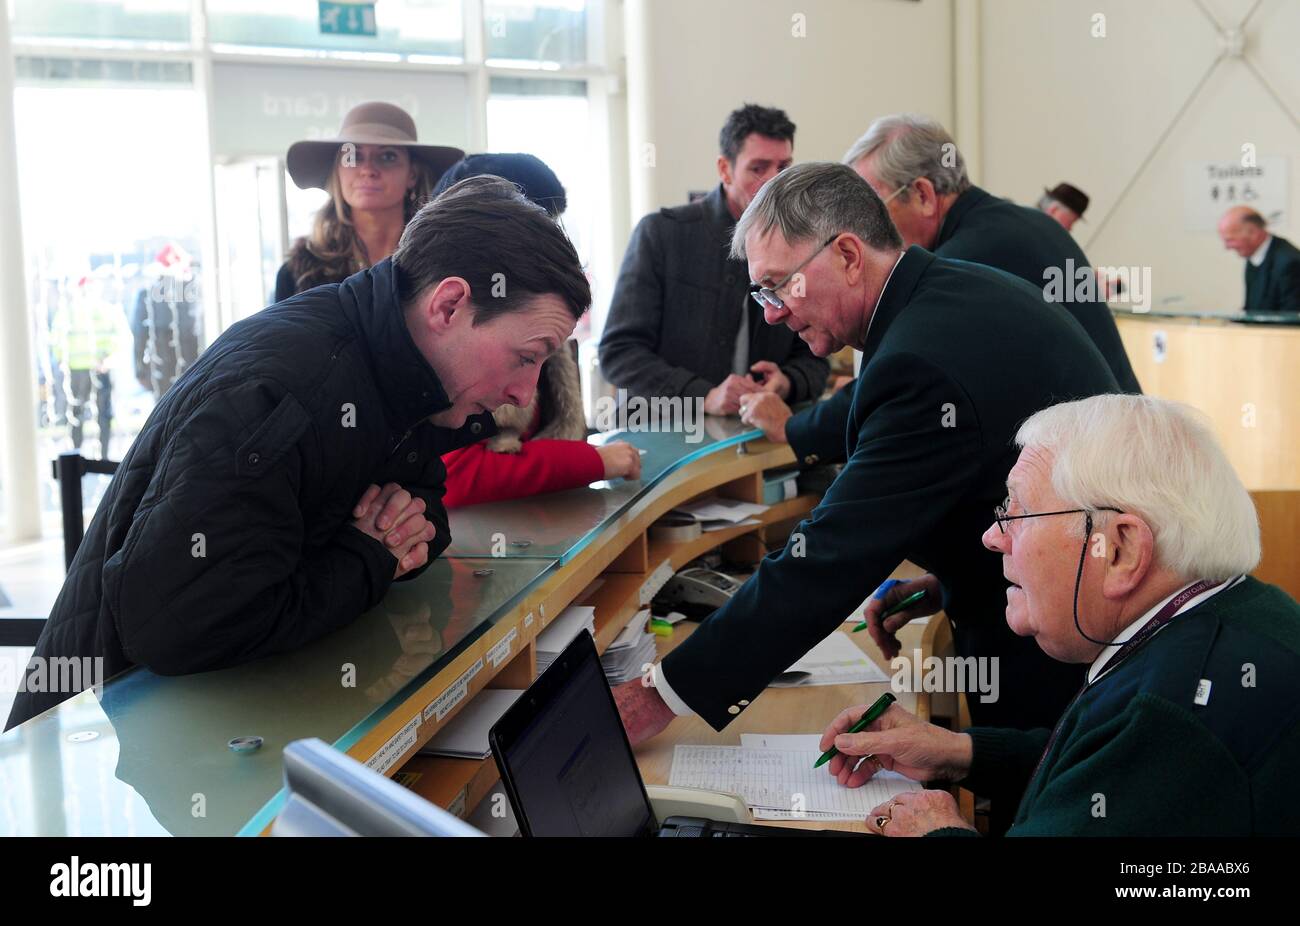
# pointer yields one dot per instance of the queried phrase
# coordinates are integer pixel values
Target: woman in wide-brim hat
(377, 175)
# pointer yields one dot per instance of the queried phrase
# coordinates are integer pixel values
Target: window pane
(34, 71)
(106, 20)
(249, 196)
(112, 244)
(550, 32)
(423, 27)
(301, 209)
(549, 119)
(261, 109)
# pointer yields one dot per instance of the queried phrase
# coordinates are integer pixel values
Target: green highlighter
(873, 713)
(901, 606)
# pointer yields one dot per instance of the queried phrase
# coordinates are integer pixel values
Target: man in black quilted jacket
(294, 472)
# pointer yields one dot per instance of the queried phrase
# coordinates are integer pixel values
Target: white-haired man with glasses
(1127, 537)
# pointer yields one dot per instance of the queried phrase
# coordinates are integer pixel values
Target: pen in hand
(901, 606)
(872, 714)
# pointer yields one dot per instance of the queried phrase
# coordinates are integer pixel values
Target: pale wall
(1059, 104)
(703, 58)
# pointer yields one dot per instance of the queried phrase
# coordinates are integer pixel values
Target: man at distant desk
(1272, 262)
(681, 322)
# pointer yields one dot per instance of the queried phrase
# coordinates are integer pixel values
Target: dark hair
(507, 248)
(751, 119)
(1254, 218)
(527, 172)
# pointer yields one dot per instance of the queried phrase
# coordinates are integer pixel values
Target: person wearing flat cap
(378, 175)
(1065, 203)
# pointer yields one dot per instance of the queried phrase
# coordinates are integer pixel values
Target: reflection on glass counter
(561, 524)
(150, 754)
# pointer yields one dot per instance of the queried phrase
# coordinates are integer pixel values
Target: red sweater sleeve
(476, 475)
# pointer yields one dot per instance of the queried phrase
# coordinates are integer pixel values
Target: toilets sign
(341, 17)
(1211, 188)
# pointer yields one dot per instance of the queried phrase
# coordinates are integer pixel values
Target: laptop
(568, 768)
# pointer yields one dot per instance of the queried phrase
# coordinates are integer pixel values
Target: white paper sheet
(781, 780)
(837, 660)
(467, 735)
(560, 632)
(723, 509)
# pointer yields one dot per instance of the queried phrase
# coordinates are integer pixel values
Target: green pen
(873, 713)
(901, 606)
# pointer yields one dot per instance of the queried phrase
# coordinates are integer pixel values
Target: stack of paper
(631, 650)
(837, 660)
(775, 776)
(561, 632)
(466, 737)
(715, 514)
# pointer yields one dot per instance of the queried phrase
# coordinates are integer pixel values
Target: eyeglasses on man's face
(1001, 516)
(767, 296)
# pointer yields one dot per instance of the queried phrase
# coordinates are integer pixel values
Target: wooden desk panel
(1246, 379)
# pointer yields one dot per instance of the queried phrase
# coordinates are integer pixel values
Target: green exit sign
(338, 17)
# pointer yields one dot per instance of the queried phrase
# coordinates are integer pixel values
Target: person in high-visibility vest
(87, 330)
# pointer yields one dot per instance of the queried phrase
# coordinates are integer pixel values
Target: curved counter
(149, 754)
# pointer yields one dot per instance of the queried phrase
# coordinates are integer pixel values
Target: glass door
(251, 234)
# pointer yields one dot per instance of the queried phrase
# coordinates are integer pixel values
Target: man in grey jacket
(681, 322)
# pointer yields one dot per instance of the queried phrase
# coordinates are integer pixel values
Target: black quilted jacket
(225, 534)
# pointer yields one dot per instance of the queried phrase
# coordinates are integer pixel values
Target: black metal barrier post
(68, 470)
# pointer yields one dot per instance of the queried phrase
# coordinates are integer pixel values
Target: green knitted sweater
(1135, 755)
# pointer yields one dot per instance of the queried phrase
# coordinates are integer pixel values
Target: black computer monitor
(565, 760)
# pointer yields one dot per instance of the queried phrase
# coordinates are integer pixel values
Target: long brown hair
(333, 251)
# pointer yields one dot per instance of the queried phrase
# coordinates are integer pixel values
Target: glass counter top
(149, 755)
(560, 524)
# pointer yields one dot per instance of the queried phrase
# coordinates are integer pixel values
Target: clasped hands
(395, 518)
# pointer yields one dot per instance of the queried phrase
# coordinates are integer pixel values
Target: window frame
(602, 78)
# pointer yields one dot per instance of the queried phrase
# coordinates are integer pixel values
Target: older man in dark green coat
(955, 356)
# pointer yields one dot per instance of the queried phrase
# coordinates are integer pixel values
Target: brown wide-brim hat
(310, 162)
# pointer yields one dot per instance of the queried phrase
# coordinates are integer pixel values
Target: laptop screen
(566, 761)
